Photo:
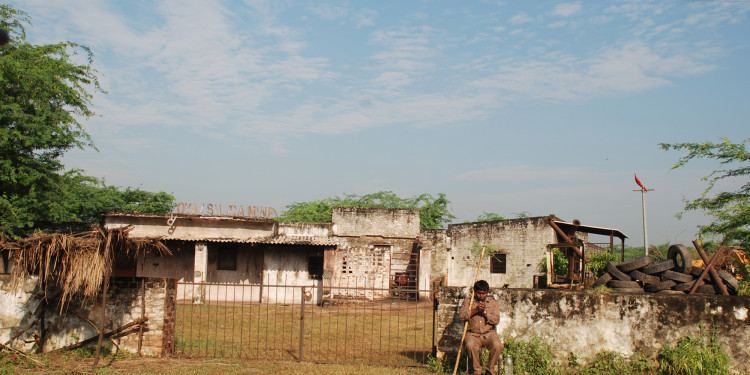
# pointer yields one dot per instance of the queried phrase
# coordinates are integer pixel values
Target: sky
(535, 107)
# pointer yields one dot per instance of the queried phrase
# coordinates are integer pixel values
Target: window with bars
(345, 267)
(227, 257)
(498, 263)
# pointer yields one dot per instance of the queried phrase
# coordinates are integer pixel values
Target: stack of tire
(675, 275)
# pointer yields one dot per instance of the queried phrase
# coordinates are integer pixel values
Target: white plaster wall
(586, 323)
(304, 229)
(286, 271)
(523, 240)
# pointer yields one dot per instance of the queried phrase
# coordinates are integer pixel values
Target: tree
(730, 209)
(434, 211)
(44, 95)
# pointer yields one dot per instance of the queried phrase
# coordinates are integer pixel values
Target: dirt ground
(76, 365)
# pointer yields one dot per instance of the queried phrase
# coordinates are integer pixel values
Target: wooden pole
(711, 271)
(105, 288)
(471, 301)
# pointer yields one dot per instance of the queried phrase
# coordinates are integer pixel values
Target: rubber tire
(707, 289)
(730, 280)
(676, 276)
(622, 284)
(664, 285)
(684, 287)
(603, 279)
(682, 252)
(628, 290)
(616, 273)
(634, 264)
(696, 271)
(654, 268)
(646, 278)
(670, 291)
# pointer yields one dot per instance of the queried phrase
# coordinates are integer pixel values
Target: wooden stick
(471, 301)
(114, 332)
(3, 346)
(709, 267)
(714, 276)
(22, 331)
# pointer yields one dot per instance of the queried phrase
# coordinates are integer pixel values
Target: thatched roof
(77, 263)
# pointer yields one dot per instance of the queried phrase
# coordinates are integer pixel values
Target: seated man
(482, 318)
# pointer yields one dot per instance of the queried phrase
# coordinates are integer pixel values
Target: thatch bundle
(77, 263)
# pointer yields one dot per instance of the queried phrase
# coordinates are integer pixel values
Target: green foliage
(529, 357)
(730, 209)
(522, 214)
(597, 262)
(488, 216)
(434, 211)
(694, 356)
(44, 94)
(613, 363)
(560, 264)
(655, 252)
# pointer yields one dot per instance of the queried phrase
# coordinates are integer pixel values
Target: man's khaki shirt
(478, 323)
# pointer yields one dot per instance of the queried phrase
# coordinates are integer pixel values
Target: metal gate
(336, 324)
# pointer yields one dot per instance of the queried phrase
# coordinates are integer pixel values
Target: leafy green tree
(488, 216)
(434, 211)
(730, 209)
(44, 94)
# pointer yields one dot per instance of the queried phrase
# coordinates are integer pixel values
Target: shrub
(694, 356)
(529, 357)
(608, 362)
(597, 262)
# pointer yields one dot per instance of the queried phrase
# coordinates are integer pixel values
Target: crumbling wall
(369, 221)
(124, 305)
(436, 242)
(585, 323)
(523, 241)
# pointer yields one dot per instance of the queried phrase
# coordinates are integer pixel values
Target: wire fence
(317, 323)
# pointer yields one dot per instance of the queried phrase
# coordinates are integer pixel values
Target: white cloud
(329, 11)
(567, 9)
(365, 17)
(632, 67)
(520, 18)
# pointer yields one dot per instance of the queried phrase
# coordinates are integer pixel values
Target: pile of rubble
(675, 275)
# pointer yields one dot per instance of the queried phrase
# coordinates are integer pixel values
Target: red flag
(637, 181)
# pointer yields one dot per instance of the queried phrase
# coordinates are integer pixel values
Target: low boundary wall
(19, 309)
(587, 322)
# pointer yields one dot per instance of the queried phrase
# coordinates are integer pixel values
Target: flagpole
(643, 191)
(645, 227)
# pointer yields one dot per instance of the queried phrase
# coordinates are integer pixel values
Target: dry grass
(375, 332)
(77, 263)
(61, 364)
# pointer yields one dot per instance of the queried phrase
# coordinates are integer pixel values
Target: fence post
(301, 323)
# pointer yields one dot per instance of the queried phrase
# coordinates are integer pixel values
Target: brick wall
(124, 305)
(368, 221)
(585, 323)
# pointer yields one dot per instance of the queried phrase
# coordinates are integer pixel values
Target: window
(497, 263)
(227, 257)
(315, 267)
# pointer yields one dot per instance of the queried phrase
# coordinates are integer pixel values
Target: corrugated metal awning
(277, 240)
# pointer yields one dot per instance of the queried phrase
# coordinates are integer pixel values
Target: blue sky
(505, 106)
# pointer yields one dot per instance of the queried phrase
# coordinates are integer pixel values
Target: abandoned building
(380, 252)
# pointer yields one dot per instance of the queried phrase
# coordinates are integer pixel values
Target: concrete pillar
(200, 268)
(425, 263)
